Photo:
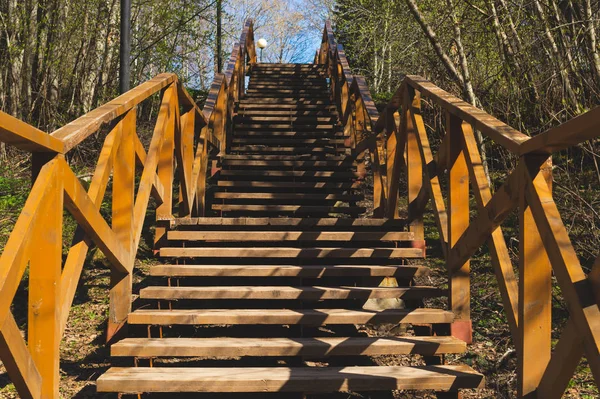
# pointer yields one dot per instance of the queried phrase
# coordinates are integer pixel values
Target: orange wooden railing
(178, 153)
(399, 134)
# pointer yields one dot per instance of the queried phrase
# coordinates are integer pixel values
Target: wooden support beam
(140, 157)
(414, 166)
(26, 137)
(83, 209)
(45, 266)
(166, 162)
(492, 211)
(122, 224)
(426, 157)
(395, 144)
(535, 294)
(577, 288)
(77, 253)
(15, 256)
(17, 360)
(458, 222)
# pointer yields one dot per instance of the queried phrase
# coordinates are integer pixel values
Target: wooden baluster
(458, 221)
(44, 287)
(535, 292)
(396, 130)
(122, 222)
(184, 144)
(414, 167)
(164, 212)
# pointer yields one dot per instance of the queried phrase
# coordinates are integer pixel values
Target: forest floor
(84, 355)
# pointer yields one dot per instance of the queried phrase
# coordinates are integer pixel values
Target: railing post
(123, 222)
(45, 266)
(535, 290)
(458, 221)
(414, 168)
(164, 212)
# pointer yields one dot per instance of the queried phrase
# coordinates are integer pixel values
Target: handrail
(544, 245)
(179, 150)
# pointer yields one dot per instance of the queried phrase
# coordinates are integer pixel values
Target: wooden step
(272, 141)
(278, 113)
(281, 102)
(304, 293)
(313, 317)
(297, 157)
(295, 209)
(245, 235)
(280, 185)
(306, 89)
(283, 252)
(298, 222)
(320, 165)
(282, 124)
(312, 347)
(279, 118)
(277, 135)
(288, 196)
(283, 379)
(260, 174)
(286, 98)
(305, 271)
(279, 150)
(283, 107)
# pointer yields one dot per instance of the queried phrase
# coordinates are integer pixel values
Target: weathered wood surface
(283, 379)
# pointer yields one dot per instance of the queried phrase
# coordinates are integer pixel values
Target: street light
(262, 43)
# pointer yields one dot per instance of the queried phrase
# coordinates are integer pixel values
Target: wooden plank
(289, 196)
(287, 316)
(501, 260)
(305, 222)
(17, 360)
(414, 172)
(459, 283)
(75, 132)
(123, 196)
(288, 173)
(276, 184)
(299, 157)
(83, 209)
(307, 271)
(140, 155)
(576, 287)
(15, 256)
(330, 346)
(45, 267)
(78, 252)
(26, 137)
(150, 165)
(535, 295)
(296, 209)
(283, 379)
(308, 293)
(498, 131)
(166, 164)
(207, 235)
(577, 130)
(281, 252)
(562, 365)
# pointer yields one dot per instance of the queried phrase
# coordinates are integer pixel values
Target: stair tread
(288, 316)
(284, 379)
(306, 222)
(326, 346)
(291, 252)
(283, 184)
(289, 292)
(289, 196)
(287, 173)
(308, 271)
(247, 235)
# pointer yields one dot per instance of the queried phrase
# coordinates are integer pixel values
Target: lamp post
(262, 43)
(125, 46)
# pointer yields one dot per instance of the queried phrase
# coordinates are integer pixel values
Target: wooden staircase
(284, 276)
